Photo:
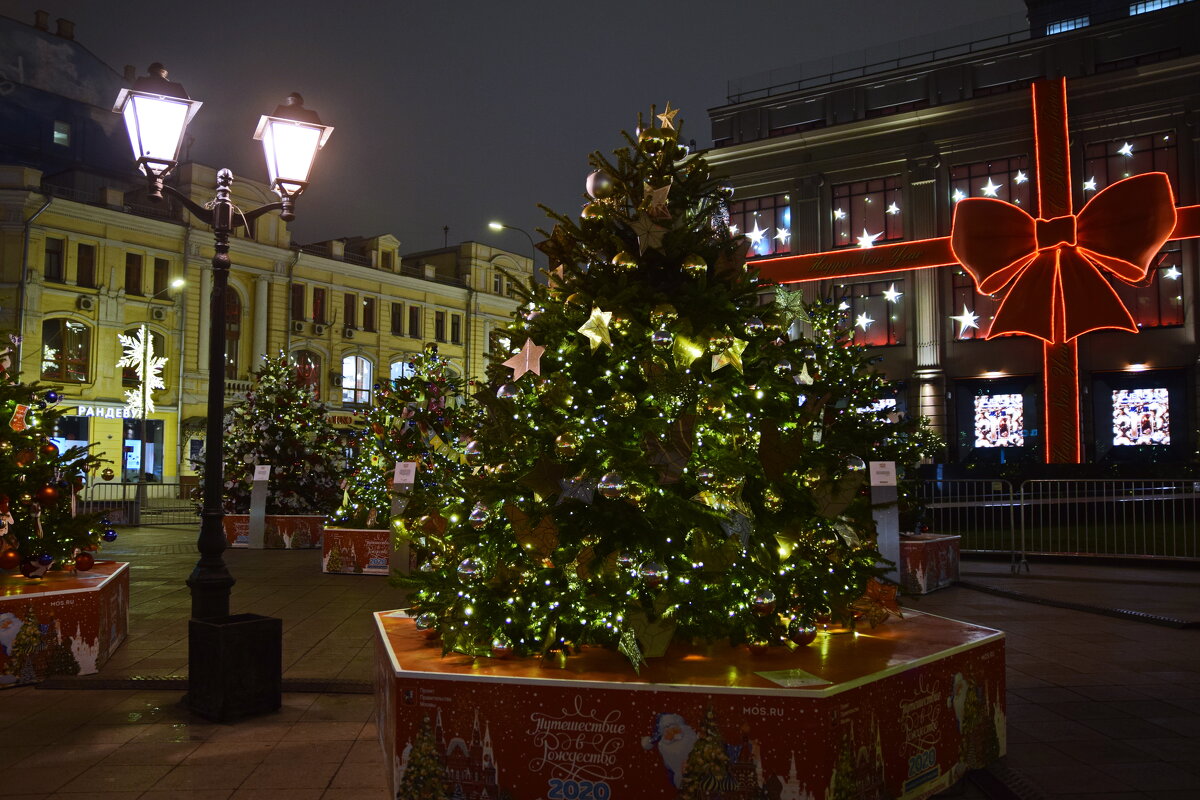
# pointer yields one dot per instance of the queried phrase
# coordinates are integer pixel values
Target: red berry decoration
(10, 559)
(84, 562)
(47, 495)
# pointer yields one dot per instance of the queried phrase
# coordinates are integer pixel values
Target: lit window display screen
(999, 420)
(885, 405)
(1140, 417)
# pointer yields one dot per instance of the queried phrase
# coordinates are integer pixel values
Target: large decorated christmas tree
(418, 417)
(39, 530)
(670, 450)
(282, 424)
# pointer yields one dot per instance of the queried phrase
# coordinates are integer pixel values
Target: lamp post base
(235, 666)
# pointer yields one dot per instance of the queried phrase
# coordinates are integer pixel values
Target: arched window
(356, 380)
(66, 349)
(308, 370)
(129, 375)
(401, 370)
(233, 333)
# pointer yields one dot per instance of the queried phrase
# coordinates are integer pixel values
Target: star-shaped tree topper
(667, 118)
(528, 360)
(596, 328)
(730, 355)
(650, 234)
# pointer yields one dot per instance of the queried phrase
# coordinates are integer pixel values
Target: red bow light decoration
(1056, 266)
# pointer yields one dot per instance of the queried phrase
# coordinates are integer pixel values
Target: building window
(1157, 302)
(456, 328)
(439, 326)
(52, 266)
(356, 380)
(414, 322)
(350, 310)
(129, 375)
(969, 306)
(369, 314)
(397, 319)
(133, 273)
(66, 347)
(386, 260)
(767, 221)
(298, 302)
(867, 212)
(401, 370)
(1105, 163)
(318, 304)
(1064, 25)
(62, 133)
(1006, 179)
(233, 333)
(498, 283)
(873, 310)
(1152, 5)
(162, 277)
(85, 265)
(308, 370)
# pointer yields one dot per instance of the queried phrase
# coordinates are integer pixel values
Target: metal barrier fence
(1144, 518)
(140, 504)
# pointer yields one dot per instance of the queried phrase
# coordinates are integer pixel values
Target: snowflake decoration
(139, 355)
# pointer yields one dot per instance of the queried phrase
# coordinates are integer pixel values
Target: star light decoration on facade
(783, 234)
(1172, 273)
(957, 195)
(966, 320)
(891, 295)
(990, 188)
(1021, 177)
(1126, 150)
(1090, 184)
(756, 235)
(529, 359)
(839, 213)
(863, 321)
(868, 239)
(139, 355)
(893, 209)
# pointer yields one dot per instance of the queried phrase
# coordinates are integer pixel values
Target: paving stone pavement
(1099, 706)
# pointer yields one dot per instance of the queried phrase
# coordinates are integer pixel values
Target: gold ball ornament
(479, 516)
(591, 211)
(801, 633)
(566, 445)
(622, 404)
(771, 500)
(611, 485)
(661, 339)
(719, 344)
(694, 266)
(763, 603)
(600, 185)
(577, 299)
(663, 314)
(624, 260)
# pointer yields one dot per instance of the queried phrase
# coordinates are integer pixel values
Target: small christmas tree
(418, 417)
(281, 424)
(706, 772)
(38, 527)
(670, 449)
(423, 779)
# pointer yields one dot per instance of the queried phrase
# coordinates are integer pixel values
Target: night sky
(456, 113)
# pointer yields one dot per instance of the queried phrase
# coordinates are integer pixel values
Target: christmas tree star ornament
(578, 488)
(805, 378)
(790, 305)
(667, 118)
(658, 201)
(878, 603)
(649, 233)
(596, 328)
(528, 360)
(730, 355)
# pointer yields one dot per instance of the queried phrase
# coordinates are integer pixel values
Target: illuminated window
(1064, 25)
(868, 212)
(1152, 5)
(356, 380)
(1108, 162)
(62, 133)
(1007, 179)
(308, 370)
(401, 370)
(233, 333)
(129, 375)
(983, 306)
(1157, 302)
(66, 347)
(865, 308)
(767, 221)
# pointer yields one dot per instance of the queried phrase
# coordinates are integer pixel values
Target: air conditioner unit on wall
(348, 332)
(297, 326)
(318, 328)
(85, 303)
(158, 314)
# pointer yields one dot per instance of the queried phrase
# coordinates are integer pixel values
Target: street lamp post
(500, 226)
(156, 113)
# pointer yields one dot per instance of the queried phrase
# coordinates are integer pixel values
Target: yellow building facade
(80, 267)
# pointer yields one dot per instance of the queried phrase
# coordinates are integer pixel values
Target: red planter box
(358, 551)
(66, 623)
(928, 562)
(280, 532)
(901, 711)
